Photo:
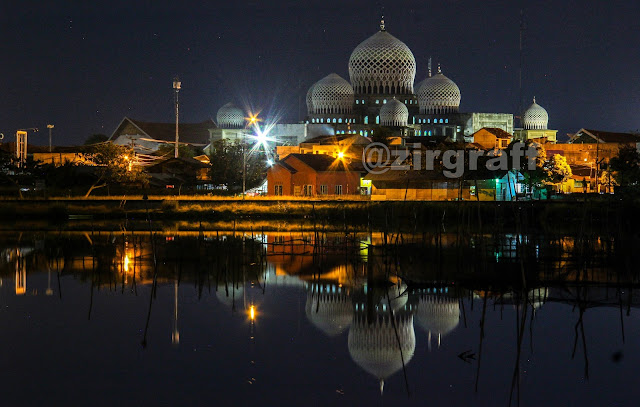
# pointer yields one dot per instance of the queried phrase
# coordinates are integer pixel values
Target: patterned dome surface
(394, 113)
(438, 94)
(376, 348)
(437, 314)
(332, 95)
(535, 117)
(310, 99)
(382, 64)
(230, 116)
(329, 312)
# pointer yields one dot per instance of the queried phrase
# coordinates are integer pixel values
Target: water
(313, 319)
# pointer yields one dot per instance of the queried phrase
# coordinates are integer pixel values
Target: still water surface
(219, 318)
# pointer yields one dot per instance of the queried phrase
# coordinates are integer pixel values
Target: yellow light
(252, 312)
(341, 155)
(126, 157)
(126, 263)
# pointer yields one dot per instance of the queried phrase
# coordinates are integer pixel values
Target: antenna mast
(522, 29)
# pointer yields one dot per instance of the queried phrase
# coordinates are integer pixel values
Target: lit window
(363, 101)
(440, 120)
(366, 120)
(384, 102)
(340, 120)
(377, 119)
(428, 120)
(377, 102)
(446, 120)
(338, 189)
(357, 102)
(429, 132)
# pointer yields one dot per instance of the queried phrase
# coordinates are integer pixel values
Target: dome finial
(382, 26)
(439, 68)
(429, 67)
(534, 99)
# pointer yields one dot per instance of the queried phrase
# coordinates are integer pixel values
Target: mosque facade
(382, 92)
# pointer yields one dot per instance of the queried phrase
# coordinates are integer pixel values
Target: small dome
(438, 94)
(437, 314)
(382, 64)
(332, 95)
(230, 116)
(535, 117)
(329, 312)
(394, 113)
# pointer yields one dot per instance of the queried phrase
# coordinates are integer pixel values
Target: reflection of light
(126, 263)
(252, 313)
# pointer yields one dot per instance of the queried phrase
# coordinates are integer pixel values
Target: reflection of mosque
(380, 320)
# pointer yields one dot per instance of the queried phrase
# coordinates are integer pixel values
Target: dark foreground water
(305, 319)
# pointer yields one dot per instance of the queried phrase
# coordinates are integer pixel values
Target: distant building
(489, 138)
(147, 137)
(313, 175)
(176, 172)
(535, 121)
(349, 145)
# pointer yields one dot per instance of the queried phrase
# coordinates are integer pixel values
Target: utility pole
(522, 28)
(176, 86)
(50, 126)
(244, 167)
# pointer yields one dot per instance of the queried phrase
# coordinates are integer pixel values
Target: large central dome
(382, 64)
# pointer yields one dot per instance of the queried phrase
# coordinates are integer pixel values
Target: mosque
(382, 92)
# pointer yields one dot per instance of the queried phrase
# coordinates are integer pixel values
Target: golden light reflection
(126, 263)
(252, 313)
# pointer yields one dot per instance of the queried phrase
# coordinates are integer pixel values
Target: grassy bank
(412, 216)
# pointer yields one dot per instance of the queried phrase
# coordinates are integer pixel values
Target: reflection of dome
(438, 94)
(328, 310)
(230, 116)
(438, 314)
(382, 64)
(394, 113)
(535, 117)
(398, 296)
(332, 95)
(374, 346)
(537, 297)
(231, 295)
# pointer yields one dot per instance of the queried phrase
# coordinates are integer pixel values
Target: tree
(626, 166)
(558, 170)
(116, 165)
(226, 165)
(96, 139)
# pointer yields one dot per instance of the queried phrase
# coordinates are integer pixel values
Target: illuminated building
(535, 121)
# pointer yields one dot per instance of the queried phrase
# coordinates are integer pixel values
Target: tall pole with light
(50, 126)
(176, 87)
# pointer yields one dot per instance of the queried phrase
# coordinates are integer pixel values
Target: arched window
(340, 120)
(441, 121)
(366, 120)
(446, 120)
(377, 102)
(377, 119)
(384, 102)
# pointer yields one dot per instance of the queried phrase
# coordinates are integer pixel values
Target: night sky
(84, 65)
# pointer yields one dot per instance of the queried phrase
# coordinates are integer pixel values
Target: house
(175, 172)
(313, 175)
(489, 138)
(147, 137)
(59, 155)
(589, 136)
(427, 186)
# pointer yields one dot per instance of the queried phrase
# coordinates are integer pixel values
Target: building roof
(190, 133)
(182, 160)
(499, 133)
(317, 162)
(608, 136)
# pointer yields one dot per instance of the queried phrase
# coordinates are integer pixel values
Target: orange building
(490, 138)
(313, 175)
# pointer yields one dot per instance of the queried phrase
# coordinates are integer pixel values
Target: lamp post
(50, 126)
(176, 87)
